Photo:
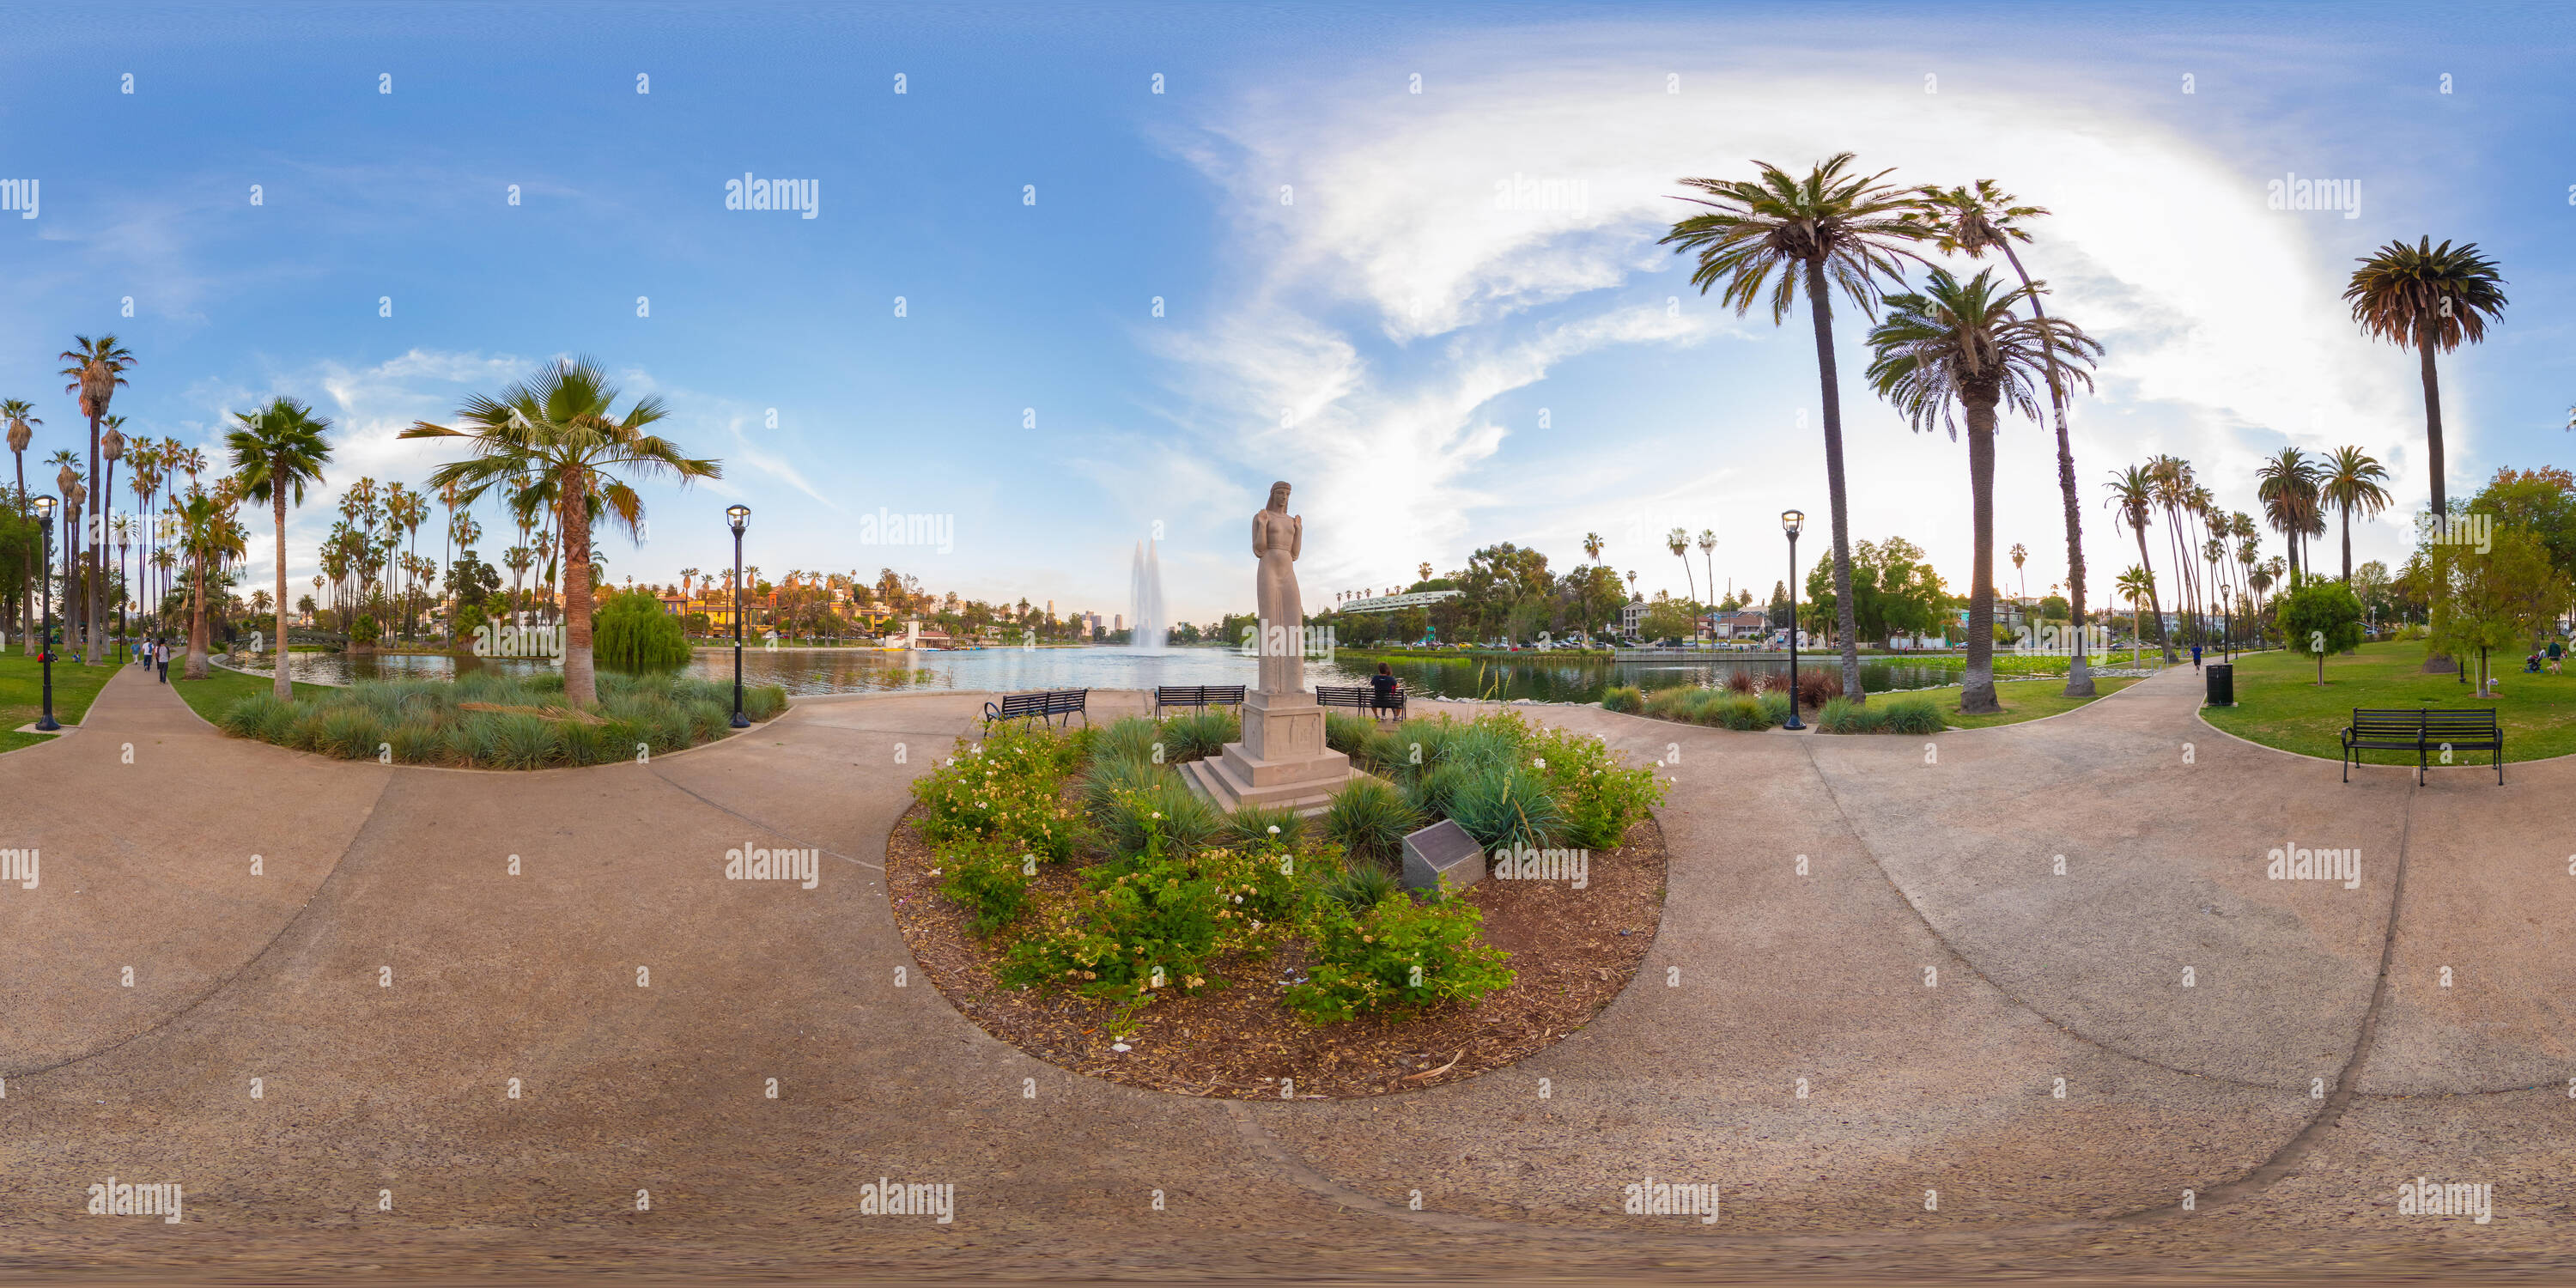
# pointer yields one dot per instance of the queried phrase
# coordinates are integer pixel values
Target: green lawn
(212, 696)
(2279, 704)
(22, 696)
(2022, 699)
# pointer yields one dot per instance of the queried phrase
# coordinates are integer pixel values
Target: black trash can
(2222, 683)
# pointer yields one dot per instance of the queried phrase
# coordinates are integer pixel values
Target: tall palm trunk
(26, 578)
(2425, 338)
(1977, 690)
(581, 685)
(285, 688)
(2079, 673)
(2347, 543)
(1823, 310)
(196, 667)
(90, 601)
(2154, 599)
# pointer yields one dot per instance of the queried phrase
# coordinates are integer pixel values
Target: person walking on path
(2195, 655)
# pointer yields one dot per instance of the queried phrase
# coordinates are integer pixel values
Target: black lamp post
(735, 517)
(1790, 522)
(45, 642)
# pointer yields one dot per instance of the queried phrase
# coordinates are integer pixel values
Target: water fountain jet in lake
(1145, 600)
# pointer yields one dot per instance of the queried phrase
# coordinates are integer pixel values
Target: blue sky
(1441, 315)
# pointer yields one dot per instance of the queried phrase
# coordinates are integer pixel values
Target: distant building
(1744, 623)
(1632, 617)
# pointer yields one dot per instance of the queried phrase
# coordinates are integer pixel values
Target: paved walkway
(1929, 978)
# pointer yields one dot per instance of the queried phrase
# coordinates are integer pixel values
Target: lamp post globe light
(45, 640)
(1790, 522)
(735, 517)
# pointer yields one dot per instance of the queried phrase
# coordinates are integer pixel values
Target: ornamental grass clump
(1369, 819)
(1200, 734)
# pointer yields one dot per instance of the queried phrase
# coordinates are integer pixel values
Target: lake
(810, 671)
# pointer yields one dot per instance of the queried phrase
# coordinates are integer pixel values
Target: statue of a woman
(1277, 537)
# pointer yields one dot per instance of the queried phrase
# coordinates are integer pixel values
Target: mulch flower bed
(1572, 952)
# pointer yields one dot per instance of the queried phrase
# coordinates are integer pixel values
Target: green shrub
(259, 716)
(1627, 698)
(630, 631)
(1200, 734)
(1361, 886)
(1842, 715)
(1398, 957)
(1110, 779)
(349, 732)
(1156, 921)
(1384, 753)
(763, 702)
(365, 630)
(1131, 738)
(1503, 805)
(1774, 710)
(1347, 734)
(1253, 825)
(1914, 716)
(989, 881)
(1006, 791)
(1425, 742)
(1430, 792)
(1369, 819)
(1167, 809)
(521, 741)
(1601, 794)
(417, 742)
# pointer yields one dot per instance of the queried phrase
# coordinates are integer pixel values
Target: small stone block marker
(1442, 850)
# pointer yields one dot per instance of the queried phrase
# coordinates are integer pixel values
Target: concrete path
(1871, 987)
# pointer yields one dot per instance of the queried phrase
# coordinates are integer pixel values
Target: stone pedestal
(1281, 762)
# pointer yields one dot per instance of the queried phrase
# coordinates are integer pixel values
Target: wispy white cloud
(1410, 259)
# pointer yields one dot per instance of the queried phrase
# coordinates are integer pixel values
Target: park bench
(2422, 730)
(1046, 704)
(1359, 697)
(1196, 696)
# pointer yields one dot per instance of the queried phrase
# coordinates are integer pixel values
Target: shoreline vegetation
(483, 721)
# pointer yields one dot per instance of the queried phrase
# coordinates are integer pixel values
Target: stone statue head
(1279, 498)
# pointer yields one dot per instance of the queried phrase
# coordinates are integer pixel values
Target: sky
(1082, 276)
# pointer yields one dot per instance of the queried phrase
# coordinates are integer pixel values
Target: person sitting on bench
(1382, 686)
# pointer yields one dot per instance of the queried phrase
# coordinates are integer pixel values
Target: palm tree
(1592, 544)
(2139, 584)
(2133, 497)
(276, 452)
(2020, 553)
(1678, 542)
(2287, 487)
(1831, 231)
(210, 533)
(20, 414)
(1707, 555)
(96, 369)
(2351, 481)
(562, 423)
(67, 485)
(2430, 299)
(1962, 341)
(1971, 221)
